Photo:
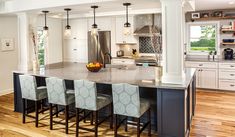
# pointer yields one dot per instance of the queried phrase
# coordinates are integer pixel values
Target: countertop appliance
(98, 46)
(228, 54)
(120, 53)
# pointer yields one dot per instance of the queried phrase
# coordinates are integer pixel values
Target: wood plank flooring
(215, 117)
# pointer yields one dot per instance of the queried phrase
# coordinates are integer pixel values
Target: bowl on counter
(94, 66)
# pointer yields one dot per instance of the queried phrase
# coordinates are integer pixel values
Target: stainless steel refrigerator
(99, 46)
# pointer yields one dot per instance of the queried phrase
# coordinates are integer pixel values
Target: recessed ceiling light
(231, 2)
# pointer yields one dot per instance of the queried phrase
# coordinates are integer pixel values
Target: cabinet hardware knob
(232, 85)
(200, 64)
(74, 49)
(232, 66)
(231, 74)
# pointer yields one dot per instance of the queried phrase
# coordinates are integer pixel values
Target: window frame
(217, 38)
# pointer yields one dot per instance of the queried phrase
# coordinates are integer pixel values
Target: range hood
(147, 26)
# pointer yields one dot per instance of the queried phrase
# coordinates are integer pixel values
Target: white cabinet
(75, 48)
(123, 61)
(78, 29)
(120, 37)
(208, 78)
(206, 75)
(227, 76)
(76, 51)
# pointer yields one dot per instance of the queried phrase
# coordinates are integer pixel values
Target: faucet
(110, 57)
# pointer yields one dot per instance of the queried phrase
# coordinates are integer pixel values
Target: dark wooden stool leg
(92, 118)
(111, 116)
(51, 117)
(77, 122)
(96, 123)
(84, 113)
(149, 119)
(115, 125)
(42, 103)
(126, 123)
(56, 109)
(23, 102)
(138, 127)
(36, 113)
(67, 119)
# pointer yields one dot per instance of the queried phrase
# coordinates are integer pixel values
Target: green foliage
(207, 40)
(41, 48)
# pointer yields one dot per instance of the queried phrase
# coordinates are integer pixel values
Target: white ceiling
(214, 4)
(106, 7)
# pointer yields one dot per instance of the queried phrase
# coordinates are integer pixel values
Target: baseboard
(4, 92)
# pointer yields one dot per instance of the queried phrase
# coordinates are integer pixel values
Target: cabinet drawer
(227, 66)
(226, 74)
(123, 61)
(227, 85)
(191, 64)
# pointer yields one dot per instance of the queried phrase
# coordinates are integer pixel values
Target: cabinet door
(198, 77)
(208, 78)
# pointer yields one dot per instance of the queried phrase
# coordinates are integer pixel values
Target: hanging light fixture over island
(94, 29)
(67, 31)
(127, 25)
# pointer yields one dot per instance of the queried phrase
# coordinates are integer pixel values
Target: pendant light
(45, 28)
(94, 30)
(127, 25)
(67, 31)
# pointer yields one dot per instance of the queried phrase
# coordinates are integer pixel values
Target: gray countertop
(136, 75)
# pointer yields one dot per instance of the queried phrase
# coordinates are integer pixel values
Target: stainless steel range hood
(147, 26)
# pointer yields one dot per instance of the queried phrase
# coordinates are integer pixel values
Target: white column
(23, 39)
(172, 34)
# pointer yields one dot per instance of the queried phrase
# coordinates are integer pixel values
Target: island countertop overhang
(135, 75)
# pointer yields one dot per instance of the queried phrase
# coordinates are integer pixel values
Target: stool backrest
(85, 94)
(28, 87)
(56, 91)
(126, 100)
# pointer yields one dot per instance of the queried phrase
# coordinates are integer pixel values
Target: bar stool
(127, 102)
(30, 91)
(58, 95)
(86, 98)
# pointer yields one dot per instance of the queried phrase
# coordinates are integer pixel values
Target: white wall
(9, 59)
(55, 45)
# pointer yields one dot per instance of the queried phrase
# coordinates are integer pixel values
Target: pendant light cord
(45, 19)
(67, 17)
(127, 14)
(94, 15)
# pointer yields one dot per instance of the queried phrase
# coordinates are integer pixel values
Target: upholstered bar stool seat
(59, 95)
(127, 102)
(30, 91)
(87, 98)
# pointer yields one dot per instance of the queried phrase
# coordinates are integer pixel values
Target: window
(203, 37)
(41, 47)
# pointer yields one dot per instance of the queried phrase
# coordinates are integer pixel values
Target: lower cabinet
(208, 78)
(206, 75)
(227, 76)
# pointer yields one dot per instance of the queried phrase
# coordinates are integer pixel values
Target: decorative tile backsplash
(145, 45)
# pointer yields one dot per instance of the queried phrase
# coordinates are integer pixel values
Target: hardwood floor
(215, 117)
(215, 114)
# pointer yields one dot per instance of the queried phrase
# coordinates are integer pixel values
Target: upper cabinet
(78, 29)
(120, 37)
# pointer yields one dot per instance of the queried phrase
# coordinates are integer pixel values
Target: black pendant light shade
(127, 24)
(94, 25)
(67, 26)
(45, 15)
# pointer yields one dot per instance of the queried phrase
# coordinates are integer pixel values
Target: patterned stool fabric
(57, 93)
(126, 101)
(87, 97)
(30, 90)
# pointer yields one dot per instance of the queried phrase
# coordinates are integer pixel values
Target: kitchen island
(172, 105)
